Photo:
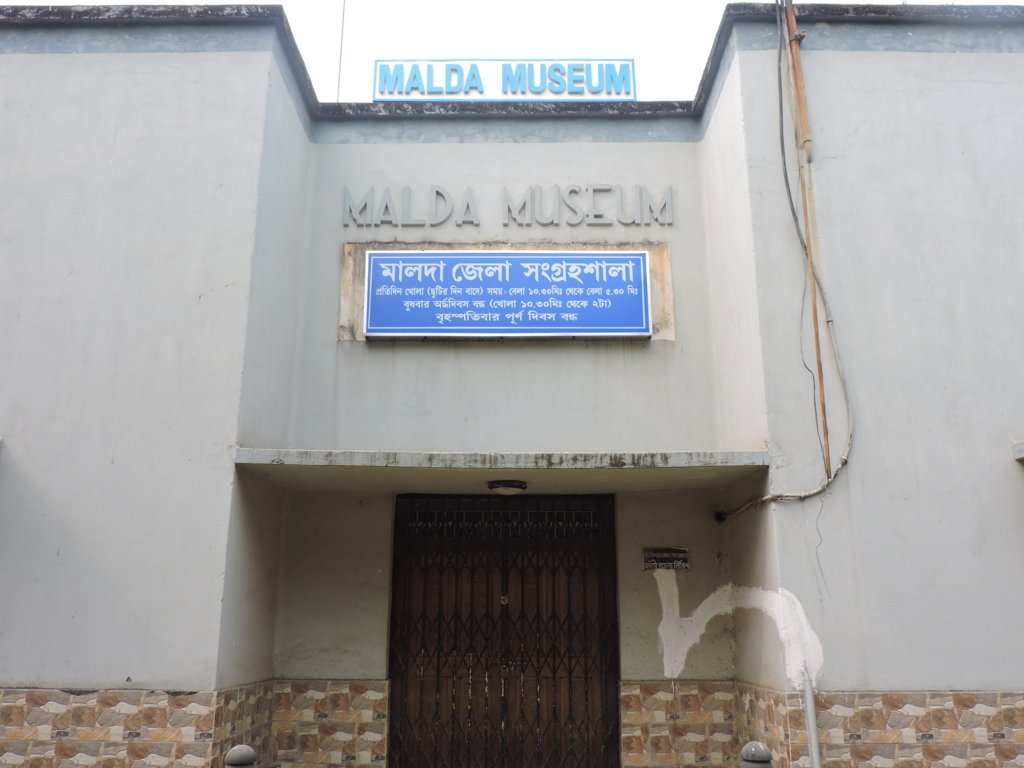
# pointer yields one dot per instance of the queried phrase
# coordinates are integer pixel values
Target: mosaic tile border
(701, 723)
(49, 728)
(676, 723)
(330, 722)
(920, 729)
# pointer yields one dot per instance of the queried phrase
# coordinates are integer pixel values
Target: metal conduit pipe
(811, 721)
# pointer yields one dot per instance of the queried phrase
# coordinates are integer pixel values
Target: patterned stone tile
(68, 753)
(21, 733)
(12, 714)
(14, 752)
(344, 723)
(633, 738)
(329, 722)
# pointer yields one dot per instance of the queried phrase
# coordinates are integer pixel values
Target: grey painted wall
(279, 270)
(752, 545)
(734, 353)
(919, 249)
(669, 519)
(491, 396)
(479, 396)
(333, 593)
(129, 184)
(256, 529)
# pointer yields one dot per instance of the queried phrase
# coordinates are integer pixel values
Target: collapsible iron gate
(504, 638)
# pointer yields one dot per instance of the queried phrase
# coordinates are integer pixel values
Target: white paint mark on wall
(678, 634)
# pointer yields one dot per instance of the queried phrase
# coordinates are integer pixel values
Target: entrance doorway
(504, 633)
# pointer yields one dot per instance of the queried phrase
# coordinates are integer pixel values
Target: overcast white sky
(669, 39)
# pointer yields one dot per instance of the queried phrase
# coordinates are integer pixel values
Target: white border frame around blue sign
(642, 334)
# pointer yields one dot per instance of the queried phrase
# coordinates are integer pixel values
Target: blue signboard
(507, 293)
(504, 80)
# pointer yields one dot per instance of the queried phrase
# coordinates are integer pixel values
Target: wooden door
(504, 636)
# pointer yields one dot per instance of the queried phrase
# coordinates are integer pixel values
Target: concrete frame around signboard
(353, 281)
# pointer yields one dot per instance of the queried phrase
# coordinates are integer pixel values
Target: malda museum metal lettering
(593, 205)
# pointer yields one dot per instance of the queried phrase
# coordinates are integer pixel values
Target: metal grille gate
(504, 636)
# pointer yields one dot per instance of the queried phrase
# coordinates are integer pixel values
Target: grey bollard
(240, 754)
(755, 754)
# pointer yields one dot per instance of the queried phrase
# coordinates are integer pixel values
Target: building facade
(229, 516)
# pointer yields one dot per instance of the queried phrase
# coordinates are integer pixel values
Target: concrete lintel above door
(410, 472)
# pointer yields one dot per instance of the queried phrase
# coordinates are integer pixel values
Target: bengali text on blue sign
(507, 293)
